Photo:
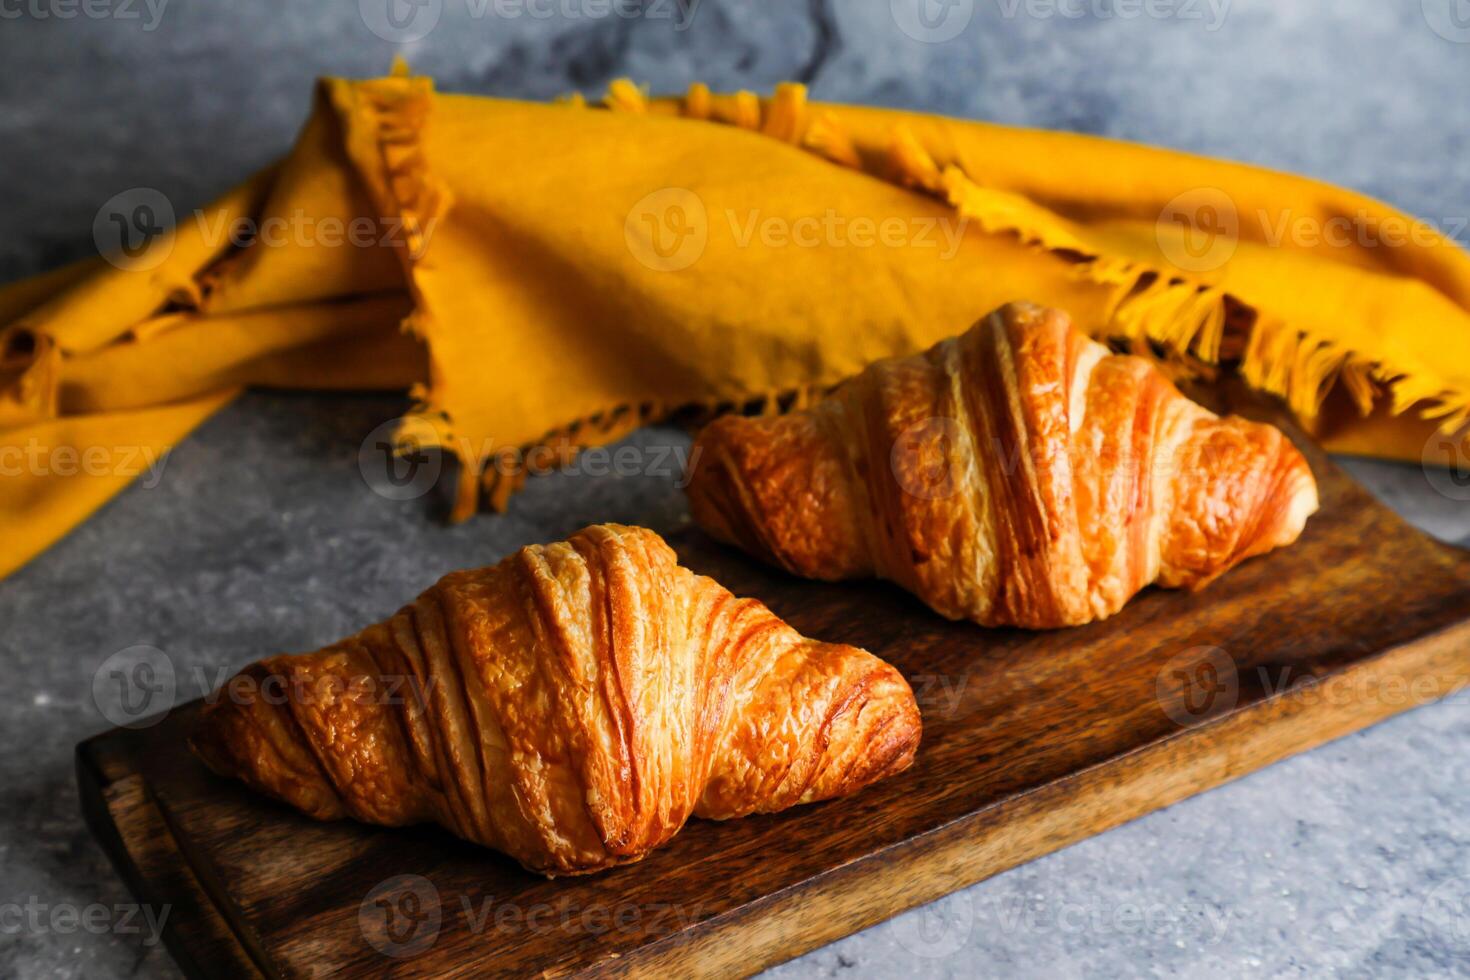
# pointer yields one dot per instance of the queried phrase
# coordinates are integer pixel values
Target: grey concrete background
(261, 536)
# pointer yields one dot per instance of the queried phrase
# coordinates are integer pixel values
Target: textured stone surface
(262, 536)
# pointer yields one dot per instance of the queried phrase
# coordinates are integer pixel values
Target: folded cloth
(554, 276)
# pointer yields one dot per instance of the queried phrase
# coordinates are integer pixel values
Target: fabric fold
(554, 276)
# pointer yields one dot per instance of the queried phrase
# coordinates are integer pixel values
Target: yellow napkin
(557, 275)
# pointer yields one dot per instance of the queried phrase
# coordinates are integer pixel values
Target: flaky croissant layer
(571, 706)
(1018, 474)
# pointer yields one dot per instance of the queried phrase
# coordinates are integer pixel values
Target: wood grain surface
(1032, 741)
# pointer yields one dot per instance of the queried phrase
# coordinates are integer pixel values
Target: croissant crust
(571, 706)
(1018, 474)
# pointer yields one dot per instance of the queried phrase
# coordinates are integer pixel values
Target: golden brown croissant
(1018, 474)
(571, 706)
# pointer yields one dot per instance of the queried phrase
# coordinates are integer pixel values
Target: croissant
(571, 706)
(1018, 474)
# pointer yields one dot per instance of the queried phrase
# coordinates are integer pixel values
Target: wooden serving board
(1032, 741)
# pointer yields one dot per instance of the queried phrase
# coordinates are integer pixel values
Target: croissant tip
(206, 742)
(1024, 313)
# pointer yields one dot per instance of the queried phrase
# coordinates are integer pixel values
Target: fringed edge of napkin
(1190, 318)
(389, 155)
(1196, 324)
(494, 480)
(1196, 319)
